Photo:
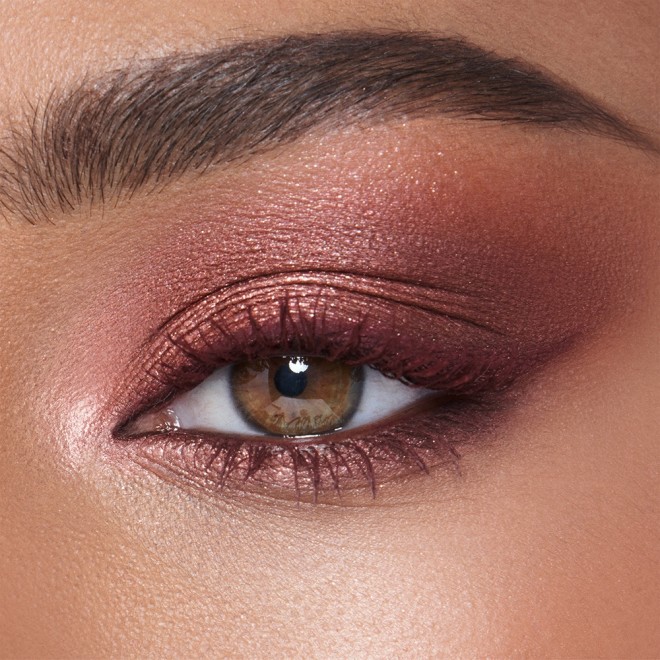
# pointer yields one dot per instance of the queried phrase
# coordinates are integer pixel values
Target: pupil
(290, 383)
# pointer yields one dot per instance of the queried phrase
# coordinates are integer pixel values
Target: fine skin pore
(512, 265)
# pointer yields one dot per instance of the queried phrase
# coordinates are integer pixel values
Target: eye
(291, 388)
(290, 396)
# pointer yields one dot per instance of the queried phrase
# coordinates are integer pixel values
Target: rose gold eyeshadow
(453, 273)
(514, 230)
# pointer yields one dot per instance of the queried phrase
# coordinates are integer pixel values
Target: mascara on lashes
(429, 338)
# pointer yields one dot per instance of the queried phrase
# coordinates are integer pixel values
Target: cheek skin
(535, 531)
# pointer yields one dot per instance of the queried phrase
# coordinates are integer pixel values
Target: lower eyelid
(417, 442)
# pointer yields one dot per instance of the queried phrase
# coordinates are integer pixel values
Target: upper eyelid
(294, 291)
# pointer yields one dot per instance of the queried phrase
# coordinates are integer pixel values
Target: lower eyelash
(417, 442)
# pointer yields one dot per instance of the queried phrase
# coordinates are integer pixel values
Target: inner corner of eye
(287, 396)
(163, 420)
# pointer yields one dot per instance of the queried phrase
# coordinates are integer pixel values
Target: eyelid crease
(399, 290)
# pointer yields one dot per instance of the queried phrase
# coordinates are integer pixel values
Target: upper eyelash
(301, 317)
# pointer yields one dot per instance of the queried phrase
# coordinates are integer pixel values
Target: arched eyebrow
(142, 126)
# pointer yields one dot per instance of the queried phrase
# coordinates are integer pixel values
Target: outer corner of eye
(289, 396)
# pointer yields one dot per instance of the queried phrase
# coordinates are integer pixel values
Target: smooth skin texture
(546, 545)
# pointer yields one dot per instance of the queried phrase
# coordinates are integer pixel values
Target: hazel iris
(296, 396)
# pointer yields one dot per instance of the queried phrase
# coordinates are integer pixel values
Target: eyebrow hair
(155, 120)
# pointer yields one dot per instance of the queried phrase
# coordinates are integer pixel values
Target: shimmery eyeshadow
(436, 270)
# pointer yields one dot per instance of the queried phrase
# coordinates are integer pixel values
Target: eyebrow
(155, 120)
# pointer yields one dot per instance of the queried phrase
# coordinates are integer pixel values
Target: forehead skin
(548, 551)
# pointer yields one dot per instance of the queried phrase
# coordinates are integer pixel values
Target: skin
(546, 545)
